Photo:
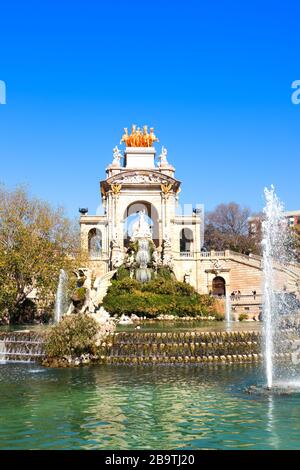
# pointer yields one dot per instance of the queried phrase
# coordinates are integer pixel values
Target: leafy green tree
(36, 241)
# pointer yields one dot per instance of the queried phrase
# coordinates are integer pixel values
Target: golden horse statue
(139, 138)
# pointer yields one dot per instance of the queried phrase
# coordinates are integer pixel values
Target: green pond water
(160, 326)
(162, 407)
(182, 325)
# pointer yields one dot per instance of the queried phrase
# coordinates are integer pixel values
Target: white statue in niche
(163, 158)
(116, 156)
(141, 228)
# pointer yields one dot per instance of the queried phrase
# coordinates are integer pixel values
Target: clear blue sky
(213, 78)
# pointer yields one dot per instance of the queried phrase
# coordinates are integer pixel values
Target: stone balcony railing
(214, 254)
(186, 254)
(244, 299)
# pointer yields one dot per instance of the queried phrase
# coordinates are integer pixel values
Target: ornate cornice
(140, 178)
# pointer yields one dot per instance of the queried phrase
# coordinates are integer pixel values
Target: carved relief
(217, 265)
(116, 188)
(138, 178)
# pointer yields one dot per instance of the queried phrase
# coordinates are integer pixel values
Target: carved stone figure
(136, 178)
(217, 266)
(141, 228)
(116, 157)
(157, 261)
(167, 242)
(115, 241)
(129, 260)
(95, 245)
(117, 260)
(163, 158)
(168, 260)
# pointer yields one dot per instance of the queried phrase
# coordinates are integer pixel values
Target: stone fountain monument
(142, 234)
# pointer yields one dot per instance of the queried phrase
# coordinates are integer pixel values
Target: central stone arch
(130, 214)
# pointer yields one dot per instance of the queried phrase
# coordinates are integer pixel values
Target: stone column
(163, 216)
(118, 242)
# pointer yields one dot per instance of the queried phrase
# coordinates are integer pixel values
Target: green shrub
(124, 285)
(165, 273)
(157, 297)
(133, 247)
(122, 273)
(243, 317)
(73, 336)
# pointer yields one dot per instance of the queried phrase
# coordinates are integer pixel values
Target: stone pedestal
(140, 157)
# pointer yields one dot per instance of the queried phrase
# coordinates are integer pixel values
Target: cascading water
(277, 252)
(61, 296)
(143, 273)
(21, 346)
(2, 351)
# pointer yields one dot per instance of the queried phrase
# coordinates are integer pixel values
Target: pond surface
(162, 407)
(184, 325)
(160, 326)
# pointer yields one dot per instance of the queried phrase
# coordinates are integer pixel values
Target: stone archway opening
(186, 240)
(131, 216)
(219, 287)
(95, 243)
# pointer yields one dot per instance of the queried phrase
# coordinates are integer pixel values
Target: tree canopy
(36, 241)
(227, 227)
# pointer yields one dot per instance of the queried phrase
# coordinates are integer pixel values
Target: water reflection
(142, 408)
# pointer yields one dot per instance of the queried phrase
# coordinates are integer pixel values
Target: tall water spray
(228, 308)
(61, 296)
(275, 253)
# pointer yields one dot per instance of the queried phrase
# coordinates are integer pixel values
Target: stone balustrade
(186, 254)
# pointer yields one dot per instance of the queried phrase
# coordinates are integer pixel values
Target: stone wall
(176, 348)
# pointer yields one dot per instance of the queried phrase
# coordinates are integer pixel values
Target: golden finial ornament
(116, 188)
(139, 138)
(166, 188)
